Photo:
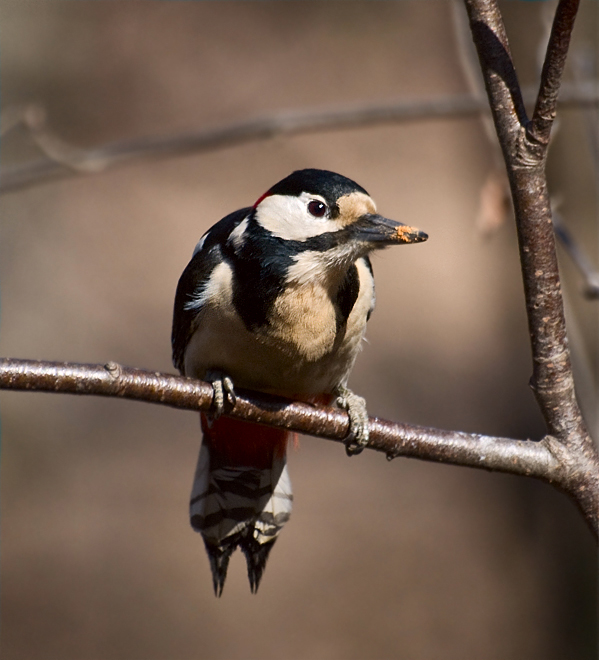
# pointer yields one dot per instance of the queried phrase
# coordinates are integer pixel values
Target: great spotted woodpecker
(275, 298)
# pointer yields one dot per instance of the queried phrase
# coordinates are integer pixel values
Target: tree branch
(539, 128)
(67, 161)
(545, 460)
(566, 457)
(524, 145)
(394, 440)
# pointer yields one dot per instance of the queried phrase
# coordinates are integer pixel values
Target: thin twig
(78, 162)
(579, 258)
(539, 129)
(494, 201)
(471, 70)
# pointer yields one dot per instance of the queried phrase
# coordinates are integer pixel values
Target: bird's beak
(374, 228)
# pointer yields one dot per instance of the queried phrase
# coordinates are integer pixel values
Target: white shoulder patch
(216, 289)
(236, 236)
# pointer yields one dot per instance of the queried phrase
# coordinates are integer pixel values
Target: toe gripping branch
(223, 392)
(357, 438)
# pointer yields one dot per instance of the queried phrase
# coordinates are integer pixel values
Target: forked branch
(566, 456)
(524, 145)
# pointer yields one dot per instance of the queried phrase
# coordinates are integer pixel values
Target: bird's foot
(357, 438)
(223, 392)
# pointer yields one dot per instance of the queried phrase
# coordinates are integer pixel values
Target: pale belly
(301, 352)
(266, 363)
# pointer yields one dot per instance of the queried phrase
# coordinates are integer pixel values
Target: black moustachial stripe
(347, 296)
(259, 265)
(368, 263)
(265, 258)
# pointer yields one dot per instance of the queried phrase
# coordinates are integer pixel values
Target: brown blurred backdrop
(400, 560)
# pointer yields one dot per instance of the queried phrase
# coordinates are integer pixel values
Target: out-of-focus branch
(495, 205)
(63, 160)
(545, 459)
(579, 258)
(524, 145)
(470, 67)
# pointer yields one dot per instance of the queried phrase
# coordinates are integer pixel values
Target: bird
(276, 298)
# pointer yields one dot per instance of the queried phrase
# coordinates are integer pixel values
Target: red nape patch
(266, 194)
(235, 443)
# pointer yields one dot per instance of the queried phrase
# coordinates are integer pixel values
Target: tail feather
(256, 555)
(241, 495)
(219, 556)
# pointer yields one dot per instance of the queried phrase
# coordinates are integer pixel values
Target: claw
(357, 438)
(223, 391)
(230, 390)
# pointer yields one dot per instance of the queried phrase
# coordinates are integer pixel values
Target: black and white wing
(207, 255)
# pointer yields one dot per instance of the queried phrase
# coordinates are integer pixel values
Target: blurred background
(380, 560)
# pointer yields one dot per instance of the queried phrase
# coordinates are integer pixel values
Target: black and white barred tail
(241, 495)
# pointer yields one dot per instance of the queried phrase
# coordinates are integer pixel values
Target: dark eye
(317, 209)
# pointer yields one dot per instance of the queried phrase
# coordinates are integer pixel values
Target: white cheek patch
(307, 266)
(287, 217)
(216, 290)
(312, 265)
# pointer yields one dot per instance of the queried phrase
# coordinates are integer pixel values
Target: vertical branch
(524, 145)
(498, 70)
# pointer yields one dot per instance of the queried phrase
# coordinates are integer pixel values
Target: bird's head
(330, 213)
